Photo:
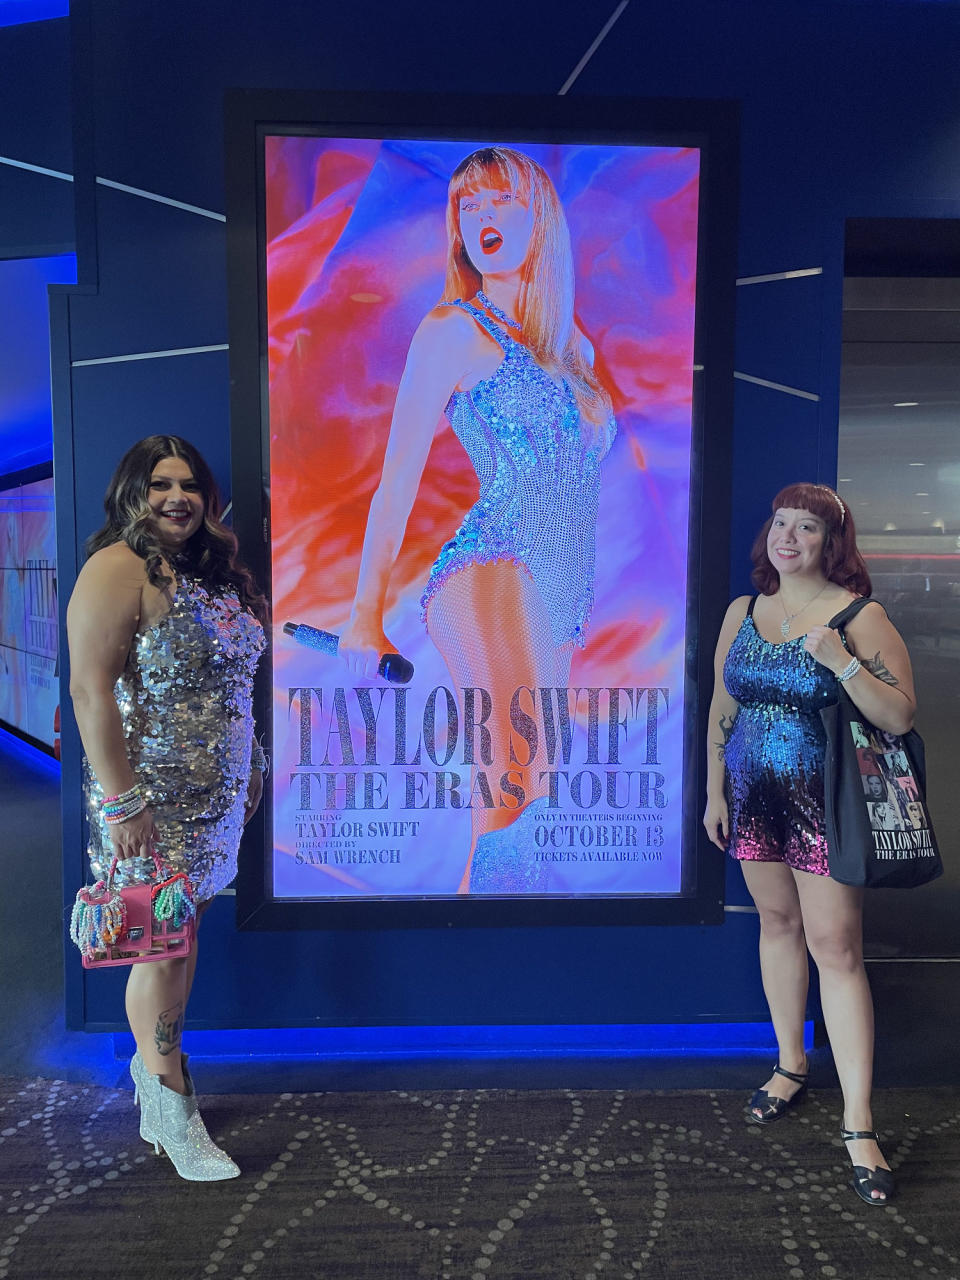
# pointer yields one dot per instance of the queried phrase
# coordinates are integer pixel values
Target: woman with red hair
(778, 661)
(509, 596)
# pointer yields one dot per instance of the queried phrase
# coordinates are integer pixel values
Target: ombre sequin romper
(185, 700)
(539, 484)
(774, 756)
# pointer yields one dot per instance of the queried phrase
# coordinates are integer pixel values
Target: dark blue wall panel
(847, 110)
(777, 322)
(162, 281)
(36, 212)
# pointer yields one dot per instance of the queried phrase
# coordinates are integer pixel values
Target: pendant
(785, 628)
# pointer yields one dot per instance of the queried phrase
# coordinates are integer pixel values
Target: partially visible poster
(480, 380)
(29, 685)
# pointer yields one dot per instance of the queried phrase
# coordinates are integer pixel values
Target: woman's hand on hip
(824, 644)
(716, 819)
(135, 837)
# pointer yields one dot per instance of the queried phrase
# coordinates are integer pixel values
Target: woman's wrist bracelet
(125, 805)
(124, 796)
(849, 671)
(258, 758)
(123, 815)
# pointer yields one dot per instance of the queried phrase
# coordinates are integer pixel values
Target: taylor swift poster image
(480, 379)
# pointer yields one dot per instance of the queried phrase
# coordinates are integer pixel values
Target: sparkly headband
(837, 499)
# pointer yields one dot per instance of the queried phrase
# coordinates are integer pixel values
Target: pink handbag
(150, 920)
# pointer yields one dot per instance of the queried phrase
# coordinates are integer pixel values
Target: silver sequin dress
(539, 483)
(185, 700)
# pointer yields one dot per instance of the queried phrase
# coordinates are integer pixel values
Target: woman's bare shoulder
(871, 618)
(448, 323)
(873, 608)
(737, 609)
(448, 338)
(108, 593)
(117, 560)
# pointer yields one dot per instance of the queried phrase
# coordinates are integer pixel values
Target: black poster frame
(713, 128)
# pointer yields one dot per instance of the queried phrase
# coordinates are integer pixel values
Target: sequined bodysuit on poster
(539, 484)
(774, 756)
(539, 474)
(185, 700)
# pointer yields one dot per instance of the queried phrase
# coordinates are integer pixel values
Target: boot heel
(153, 1142)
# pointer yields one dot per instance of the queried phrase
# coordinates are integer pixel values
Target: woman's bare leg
(833, 921)
(156, 1002)
(783, 965)
(192, 957)
(492, 629)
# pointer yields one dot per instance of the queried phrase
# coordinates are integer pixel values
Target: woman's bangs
(810, 497)
(494, 170)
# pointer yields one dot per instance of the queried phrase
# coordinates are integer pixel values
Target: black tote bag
(879, 833)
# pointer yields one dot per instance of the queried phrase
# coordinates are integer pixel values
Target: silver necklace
(789, 617)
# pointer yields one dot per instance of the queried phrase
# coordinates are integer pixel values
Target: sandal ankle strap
(851, 1135)
(795, 1076)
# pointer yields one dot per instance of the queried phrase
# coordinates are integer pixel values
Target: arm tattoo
(726, 728)
(877, 667)
(169, 1029)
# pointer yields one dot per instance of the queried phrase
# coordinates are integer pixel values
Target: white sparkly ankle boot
(172, 1122)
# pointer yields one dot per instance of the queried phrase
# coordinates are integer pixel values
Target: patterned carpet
(475, 1185)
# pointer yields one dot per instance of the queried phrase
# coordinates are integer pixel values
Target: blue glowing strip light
(27, 755)
(591, 1041)
(13, 12)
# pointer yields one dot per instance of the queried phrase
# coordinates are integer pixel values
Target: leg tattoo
(169, 1029)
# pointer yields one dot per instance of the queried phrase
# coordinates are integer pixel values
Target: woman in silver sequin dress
(509, 596)
(777, 662)
(165, 632)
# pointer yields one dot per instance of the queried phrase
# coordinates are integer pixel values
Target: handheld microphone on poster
(392, 666)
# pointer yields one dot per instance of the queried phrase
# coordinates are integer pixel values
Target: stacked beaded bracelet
(849, 671)
(124, 806)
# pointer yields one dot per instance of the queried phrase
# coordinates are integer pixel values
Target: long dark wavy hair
(211, 554)
(841, 561)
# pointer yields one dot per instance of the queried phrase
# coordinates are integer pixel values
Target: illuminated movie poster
(29, 683)
(500, 487)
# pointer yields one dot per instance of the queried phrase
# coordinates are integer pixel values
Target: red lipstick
(490, 240)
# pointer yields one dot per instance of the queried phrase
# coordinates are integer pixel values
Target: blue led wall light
(14, 12)
(585, 1041)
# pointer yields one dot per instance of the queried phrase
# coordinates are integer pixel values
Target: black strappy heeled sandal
(775, 1108)
(866, 1181)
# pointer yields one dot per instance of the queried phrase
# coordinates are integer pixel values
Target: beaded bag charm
(173, 900)
(98, 919)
